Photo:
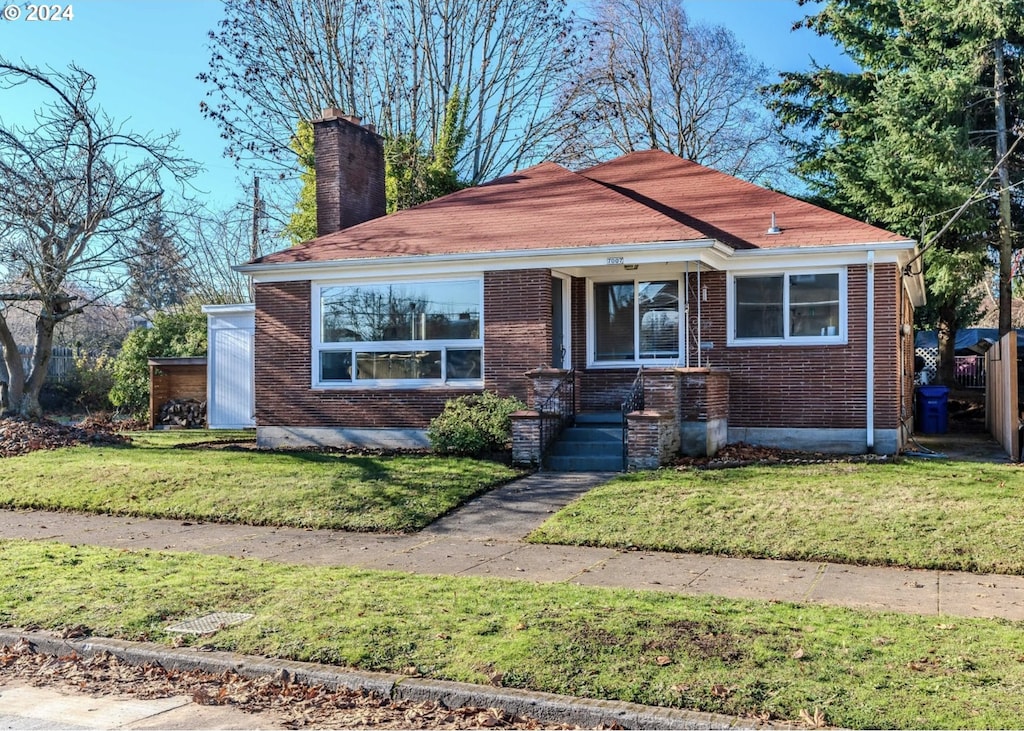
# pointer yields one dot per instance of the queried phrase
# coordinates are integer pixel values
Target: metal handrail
(557, 412)
(634, 402)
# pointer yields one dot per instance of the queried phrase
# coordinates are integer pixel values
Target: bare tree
(656, 80)
(397, 64)
(75, 188)
(216, 240)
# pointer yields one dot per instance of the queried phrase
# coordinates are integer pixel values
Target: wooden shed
(175, 378)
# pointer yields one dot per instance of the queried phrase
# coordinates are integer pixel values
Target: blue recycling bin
(932, 409)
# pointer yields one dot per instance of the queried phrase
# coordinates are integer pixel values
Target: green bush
(172, 335)
(476, 424)
(93, 380)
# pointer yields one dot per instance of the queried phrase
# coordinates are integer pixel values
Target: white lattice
(931, 363)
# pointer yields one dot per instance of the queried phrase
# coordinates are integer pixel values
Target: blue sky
(145, 55)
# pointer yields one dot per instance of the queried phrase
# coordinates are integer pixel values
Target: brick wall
(704, 394)
(907, 403)
(517, 328)
(517, 338)
(798, 387)
(813, 386)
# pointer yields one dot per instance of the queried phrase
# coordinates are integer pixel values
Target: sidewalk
(484, 538)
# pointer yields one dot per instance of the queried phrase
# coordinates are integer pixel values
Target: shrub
(472, 425)
(172, 335)
(93, 379)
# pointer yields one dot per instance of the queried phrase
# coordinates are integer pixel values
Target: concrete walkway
(484, 538)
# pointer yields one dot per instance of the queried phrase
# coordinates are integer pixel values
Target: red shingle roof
(642, 197)
(728, 209)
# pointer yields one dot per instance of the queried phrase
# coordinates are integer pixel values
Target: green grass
(154, 478)
(861, 669)
(924, 514)
(184, 437)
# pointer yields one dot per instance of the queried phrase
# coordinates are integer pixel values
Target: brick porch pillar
(704, 411)
(526, 425)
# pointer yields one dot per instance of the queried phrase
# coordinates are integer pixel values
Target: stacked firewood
(184, 412)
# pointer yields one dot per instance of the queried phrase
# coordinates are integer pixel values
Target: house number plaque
(616, 260)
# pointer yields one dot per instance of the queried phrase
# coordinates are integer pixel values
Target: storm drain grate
(210, 623)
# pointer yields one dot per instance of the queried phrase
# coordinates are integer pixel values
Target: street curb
(548, 707)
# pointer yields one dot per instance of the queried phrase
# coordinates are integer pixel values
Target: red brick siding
(906, 407)
(578, 326)
(704, 395)
(887, 347)
(517, 337)
(798, 387)
(661, 391)
(604, 390)
(517, 328)
(283, 393)
(814, 386)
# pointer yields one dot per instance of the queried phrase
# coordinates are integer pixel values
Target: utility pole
(254, 244)
(1005, 223)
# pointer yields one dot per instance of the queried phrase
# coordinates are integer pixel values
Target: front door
(559, 322)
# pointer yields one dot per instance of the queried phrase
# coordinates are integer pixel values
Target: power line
(971, 200)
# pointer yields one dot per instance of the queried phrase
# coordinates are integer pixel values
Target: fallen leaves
(815, 720)
(295, 704)
(741, 454)
(21, 436)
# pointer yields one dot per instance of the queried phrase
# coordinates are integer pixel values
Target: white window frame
(592, 361)
(390, 346)
(840, 338)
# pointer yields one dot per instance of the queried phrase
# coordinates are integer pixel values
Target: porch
(664, 412)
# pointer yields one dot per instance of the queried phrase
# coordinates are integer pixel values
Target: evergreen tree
(158, 277)
(906, 141)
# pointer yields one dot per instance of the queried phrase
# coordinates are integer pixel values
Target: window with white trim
(635, 321)
(788, 307)
(398, 333)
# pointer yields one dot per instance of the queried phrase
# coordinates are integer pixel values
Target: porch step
(602, 418)
(593, 444)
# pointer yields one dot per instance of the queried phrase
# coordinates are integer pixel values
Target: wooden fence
(62, 363)
(1002, 411)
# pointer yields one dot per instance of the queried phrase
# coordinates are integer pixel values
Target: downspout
(700, 296)
(684, 326)
(870, 369)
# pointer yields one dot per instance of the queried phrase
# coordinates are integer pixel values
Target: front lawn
(155, 477)
(856, 669)
(951, 515)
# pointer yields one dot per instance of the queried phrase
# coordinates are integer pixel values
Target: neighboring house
(757, 317)
(969, 353)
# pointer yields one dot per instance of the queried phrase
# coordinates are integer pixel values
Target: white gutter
(554, 257)
(908, 246)
(870, 369)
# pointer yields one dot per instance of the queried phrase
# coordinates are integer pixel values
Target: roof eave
(630, 253)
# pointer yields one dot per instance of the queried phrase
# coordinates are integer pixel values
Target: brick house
(755, 317)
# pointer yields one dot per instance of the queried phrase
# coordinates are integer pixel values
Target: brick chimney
(349, 172)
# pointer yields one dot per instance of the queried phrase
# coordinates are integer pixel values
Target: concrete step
(602, 418)
(565, 448)
(592, 434)
(584, 463)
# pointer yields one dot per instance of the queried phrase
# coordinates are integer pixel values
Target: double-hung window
(788, 307)
(398, 334)
(635, 321)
